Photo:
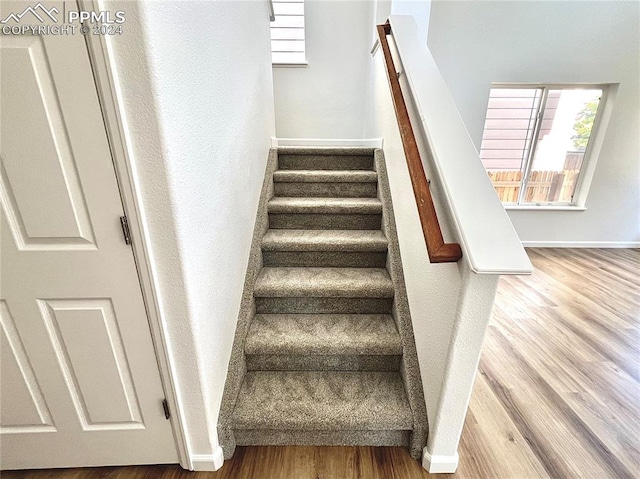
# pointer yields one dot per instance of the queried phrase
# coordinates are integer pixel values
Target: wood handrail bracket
(438, 250)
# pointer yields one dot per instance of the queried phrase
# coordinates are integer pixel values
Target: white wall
(432, 289)
(328, 99)
(476, 43)
(419, 10)
(331, 97)
(196, 88)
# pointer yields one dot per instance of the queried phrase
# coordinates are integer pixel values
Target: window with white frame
(536, 141)
(287, 33)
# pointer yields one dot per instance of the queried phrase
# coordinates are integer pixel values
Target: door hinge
(125, 229)
(165, 406)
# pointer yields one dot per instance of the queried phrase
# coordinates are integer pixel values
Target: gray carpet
(324, 351)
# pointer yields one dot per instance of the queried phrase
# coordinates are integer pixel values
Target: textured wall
(564, 42)
(329, 97)
(196, 87)
(432, 289)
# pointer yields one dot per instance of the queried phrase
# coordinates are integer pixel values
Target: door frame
(100, 60)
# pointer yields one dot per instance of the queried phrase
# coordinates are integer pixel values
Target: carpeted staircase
(324, 351)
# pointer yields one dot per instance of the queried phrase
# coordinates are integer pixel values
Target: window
(287, 33)
(536, 141)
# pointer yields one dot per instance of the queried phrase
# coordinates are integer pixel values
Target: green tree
(584, 124)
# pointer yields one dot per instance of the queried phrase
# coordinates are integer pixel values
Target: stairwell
(324, 351)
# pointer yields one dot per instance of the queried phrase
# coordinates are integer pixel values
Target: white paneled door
(79, 382)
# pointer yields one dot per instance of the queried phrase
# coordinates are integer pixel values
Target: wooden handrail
(438, 250)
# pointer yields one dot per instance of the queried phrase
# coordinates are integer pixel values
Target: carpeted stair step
(325, 213)
(323, 291)
(364, 206)
(347, 342)
(325, 248)
(325, 183)
(324, 283)
(292, 158)
(322, 407)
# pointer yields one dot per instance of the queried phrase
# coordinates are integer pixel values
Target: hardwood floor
(557, 393)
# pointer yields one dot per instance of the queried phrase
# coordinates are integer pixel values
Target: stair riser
(288, 362)
(321, 221)
(274, 437)
(326, 190)
(329, 259)
(266, 305)
(325, 162)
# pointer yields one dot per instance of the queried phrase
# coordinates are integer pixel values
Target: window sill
(290, 65)
(544, 208)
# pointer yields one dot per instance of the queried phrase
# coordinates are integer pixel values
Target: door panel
(23, 407)
(86, 338)
(56, 216)
(80, 384)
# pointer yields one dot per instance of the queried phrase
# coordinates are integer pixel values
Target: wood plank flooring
(557, 393)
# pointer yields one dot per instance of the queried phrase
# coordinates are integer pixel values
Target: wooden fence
(542, 187)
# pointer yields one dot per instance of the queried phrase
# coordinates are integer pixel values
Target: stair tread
(326, 150)
(324, 282)
(324, 240)
(325, 205)
(325, 176)
(322, 400)
(316, 334)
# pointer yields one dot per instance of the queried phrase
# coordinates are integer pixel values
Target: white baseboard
(581, 244)
(439, 464)
(208, 462)
(364, 143)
